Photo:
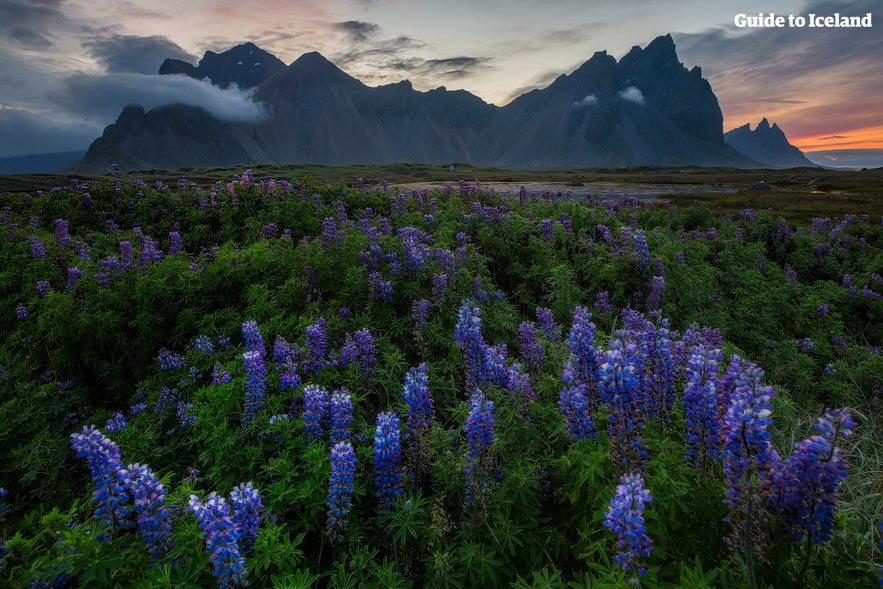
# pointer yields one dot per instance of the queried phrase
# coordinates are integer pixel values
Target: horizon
(66, 62)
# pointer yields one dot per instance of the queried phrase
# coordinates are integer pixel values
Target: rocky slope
(767, 145)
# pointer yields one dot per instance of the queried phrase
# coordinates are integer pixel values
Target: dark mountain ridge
(646, 109)
(767, 145)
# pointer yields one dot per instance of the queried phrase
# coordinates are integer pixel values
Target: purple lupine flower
(316, 405)
(331, 235)
(169, 360)
(387, 460)
(547, 324)
(702, 414)
(247, 504)
(680, 259)
(494, 371)
(73, 275)
(176, 243)
(221, 536)
(519, 386)
(184, 413)
(127, 255)
(642, 251)
(480, 436)
(103, 458)
(289, 380)
(618, 384)
(340, 490)
(252, 338)
(823, 310)
(584, 358)
(415, 254)
(810, 479)
(467, 335)
(602, 303)
(420, 312)
(150, 253)
(547, 234)
(657, 288)
(625, 518)
(148, 506)
(366, 352)
(21, 312)
(43, 288)
(282, 352)
(439, 289)
(418, 426)
(37, 249)
(255, 384)
(805, 345)
(531, 352)
(62, 239)
(574, 406)
(317, 346)
(116, 423)
(749, 463)
(341, 416)
(220, 375)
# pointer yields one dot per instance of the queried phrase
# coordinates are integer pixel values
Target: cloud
(632, 94)
(834, 137)
(24, 21)
(850, 158)
(587, 101)
(357, 31)
(132, 54)
(36, 134)
(101, 98)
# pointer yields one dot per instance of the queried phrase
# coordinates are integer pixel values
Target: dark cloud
(127, 53)
(102, 97)
(36, 134)
(357, 31)
(835, 137)
(451, 68)
(25, 22)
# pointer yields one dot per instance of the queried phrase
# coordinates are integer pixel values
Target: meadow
(308, 378)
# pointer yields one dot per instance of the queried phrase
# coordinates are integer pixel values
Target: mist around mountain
(645, 109)
(766, 144)
(39, 162)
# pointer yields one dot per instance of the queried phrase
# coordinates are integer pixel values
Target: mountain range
(645, 109)
(766, 144)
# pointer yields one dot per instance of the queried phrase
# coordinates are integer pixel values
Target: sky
(67, 67)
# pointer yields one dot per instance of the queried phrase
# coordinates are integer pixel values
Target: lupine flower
(420, 312)
(341, 416)
(169, 360)
(810, 479)
(289, 380)
(221, 536)
(116, 423)
(148, 506)
(702, 407)
(247, 504)
(519, 386)
(251, 336)
(380, 289)
(43, 288)
(480, 436)
(625, 518)
(547, 231)
(220, 375)
(316, 405)
(749, 461)
(255, 384)
(317, 345)
(602, 303)
(531, 352)
(494, 371)
(574, 406)
(4, 509)
(73, 275)
(103, 458)
(21, 312)
(340, 490)
(62, 239)
(642, 251)
(366, 352)
(184, 413)
(584, 358)
(176, 243)
(37, 249)
(657, 288)
(467, 335)
(418, 426)
(618, 384)
(387, 460)
(439, 288)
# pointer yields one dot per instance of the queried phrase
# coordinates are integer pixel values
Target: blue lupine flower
(169, 360)
(574, 405)
(204, 344)
(255, 384)
(480, 436)
(387, 460)
(289, 380)
(618, 384)
(584, 358)
(366, 352)
(439, 289)
(642, 251)
(220, 375)
(251, 336)
(625, 518)
(420, 312)
(531, 352)
(701, 407)
(103, 458)
(810, 479)
(418, 426)
(341, 416)
(43, 288)
(340, 490)
(317, 346)
(315, 410)
(116, 423)
(221, 536)
(247, 504)
(148, 505)
(467, 335)
(547, 324)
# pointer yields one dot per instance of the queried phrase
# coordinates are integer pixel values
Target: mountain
(245, 65)
(39, 163)
(646, 109)
(767, 145)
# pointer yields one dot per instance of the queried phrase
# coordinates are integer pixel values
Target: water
(601, 190)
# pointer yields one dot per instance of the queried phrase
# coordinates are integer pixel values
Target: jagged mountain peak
(766, 144)
(245, 65)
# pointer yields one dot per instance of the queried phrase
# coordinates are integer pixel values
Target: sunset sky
(67, 67)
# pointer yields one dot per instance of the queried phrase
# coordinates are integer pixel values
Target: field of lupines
(269, 383)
